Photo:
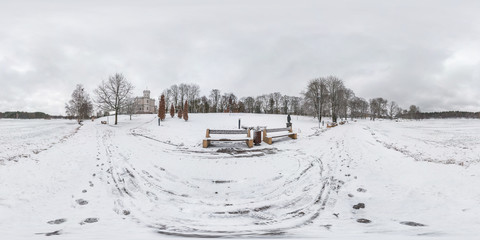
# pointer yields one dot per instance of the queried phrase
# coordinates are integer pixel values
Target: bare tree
(168, 95)
(295, 105)
(277, 98)
(249, 104)
(175, 94)
(204, 105)
(215, 96)
(224, 102)
(114, 93)
(363, 108)
(317, 95)
(232, 102)
(393, 109)
(285, 103)
(413, 111)
(130, 107)
(378, 108)
(193, 93)
(271, 103)
(334, 86)
(182, 93)
(356, 107)
(261, 104)
(80, 106)
(346, 96)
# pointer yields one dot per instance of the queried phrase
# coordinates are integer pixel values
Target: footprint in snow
(358, 206)
(361, 190)
(82, 202)
(57, 221)
(363, 220)
(413, 224)
(89, 220)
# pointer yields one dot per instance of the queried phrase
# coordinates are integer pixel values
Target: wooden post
(248, 132)
(250, 143)
(208, 133)
(206, 143)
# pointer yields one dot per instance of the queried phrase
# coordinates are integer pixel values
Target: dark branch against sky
(413, 52)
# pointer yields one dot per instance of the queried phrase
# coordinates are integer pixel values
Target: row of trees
(26, 115)
(113, 94)
(324, 96)
(162, 110)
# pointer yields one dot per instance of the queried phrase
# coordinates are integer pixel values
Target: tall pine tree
(185, 111)
(180, 113)
(172, 111)
(161, 108)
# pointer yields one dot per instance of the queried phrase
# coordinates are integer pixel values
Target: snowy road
(139, 180)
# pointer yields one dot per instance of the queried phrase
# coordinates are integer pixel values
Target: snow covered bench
(278, 132)
(331, 125)
(247, 139)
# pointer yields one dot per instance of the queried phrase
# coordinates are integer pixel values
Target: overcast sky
(425, 53)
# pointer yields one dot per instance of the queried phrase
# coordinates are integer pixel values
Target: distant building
(145, 104)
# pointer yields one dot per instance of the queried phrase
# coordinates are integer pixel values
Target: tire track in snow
(174, 205)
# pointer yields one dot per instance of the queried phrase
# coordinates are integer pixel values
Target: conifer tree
(180, 113)
(185, 111)
(161, 108)
(172, 111)
(159, 103)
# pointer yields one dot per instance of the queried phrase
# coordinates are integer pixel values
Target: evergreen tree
(161, 108)
(172, 110)
(185, 111)
(180, 113)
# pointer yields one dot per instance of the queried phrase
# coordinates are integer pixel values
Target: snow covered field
(138, 180)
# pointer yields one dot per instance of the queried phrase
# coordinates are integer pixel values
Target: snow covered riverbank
(138, 180)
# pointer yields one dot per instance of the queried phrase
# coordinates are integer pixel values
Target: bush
(185, 111)
(180, 113)
(161, 108)
(172, 111)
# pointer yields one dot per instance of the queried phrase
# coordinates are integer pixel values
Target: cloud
(424, 53)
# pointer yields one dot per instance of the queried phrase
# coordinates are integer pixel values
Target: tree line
(322, 97)
(26, 115)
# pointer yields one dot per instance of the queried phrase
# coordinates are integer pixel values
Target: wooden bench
(285, 132)
(331, 125)
(247, 139)
(103, 122)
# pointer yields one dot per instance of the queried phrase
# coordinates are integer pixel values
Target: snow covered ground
(138, 180)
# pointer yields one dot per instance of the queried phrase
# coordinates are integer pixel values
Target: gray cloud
(424, 53)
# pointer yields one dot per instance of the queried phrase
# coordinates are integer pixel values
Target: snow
(138, 180)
